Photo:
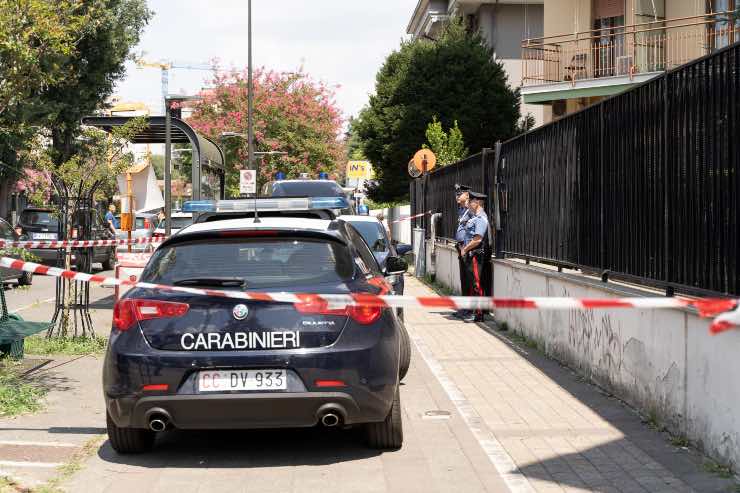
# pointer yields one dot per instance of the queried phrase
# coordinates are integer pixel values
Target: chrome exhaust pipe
(329, 420)
(157, 424)
(158, 421)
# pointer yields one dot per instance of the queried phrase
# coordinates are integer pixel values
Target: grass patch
(65, 345)
(718, 469)
(438, 287)
(523, 340)
(17, 396)
(679, 441)
(67, 470)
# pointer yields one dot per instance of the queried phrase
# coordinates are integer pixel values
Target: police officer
(461, 196)
(474, 250)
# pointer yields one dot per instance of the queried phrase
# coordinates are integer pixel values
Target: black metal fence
(440, 190)
(642, 186)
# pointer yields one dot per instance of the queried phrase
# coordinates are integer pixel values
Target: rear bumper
(236, 411)
(367, 361)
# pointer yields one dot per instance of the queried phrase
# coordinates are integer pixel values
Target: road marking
(48, 465)
(37, 444)
(35, 303)
(501, 460)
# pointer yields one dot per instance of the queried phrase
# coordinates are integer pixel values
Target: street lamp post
(250, 108)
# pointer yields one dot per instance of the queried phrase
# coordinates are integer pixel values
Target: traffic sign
(247, 181)
(359, 169)
(422, 157)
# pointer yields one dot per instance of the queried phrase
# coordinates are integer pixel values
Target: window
(373, 234)
(261, 264)
(367, 262)
(40, 218)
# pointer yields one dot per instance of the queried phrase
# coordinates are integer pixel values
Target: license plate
(225, 380)
(44, 236)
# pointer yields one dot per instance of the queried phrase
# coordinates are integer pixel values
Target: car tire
(26, 279)
(405, 359)
(388, 434)
(128, 440)
(110, 260)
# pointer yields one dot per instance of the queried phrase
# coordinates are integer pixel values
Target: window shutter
(608, 8)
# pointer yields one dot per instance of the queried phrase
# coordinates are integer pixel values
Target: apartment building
(502, 23)
(592, 49)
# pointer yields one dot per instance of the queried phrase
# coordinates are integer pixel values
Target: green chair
(13, 330)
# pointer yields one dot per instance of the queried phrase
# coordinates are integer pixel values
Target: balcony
(622, 55)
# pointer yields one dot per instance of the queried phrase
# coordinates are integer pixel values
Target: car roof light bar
(266, 204)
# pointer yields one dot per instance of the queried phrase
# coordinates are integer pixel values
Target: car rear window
(261, 263)
(307, 189)
(40, 218)
(373, 235)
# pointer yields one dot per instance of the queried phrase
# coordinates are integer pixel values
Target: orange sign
(424, 157)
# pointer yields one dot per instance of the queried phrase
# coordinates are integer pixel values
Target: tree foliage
(292, 113)
(449, 147)
(455, 78)
(99, 158)
(60, 61)
(93, 70)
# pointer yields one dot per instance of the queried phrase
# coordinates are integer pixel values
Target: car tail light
(364, 315)
(158, 235)
(127, 312)
(155, 386)
(329, 383)
(147, 223)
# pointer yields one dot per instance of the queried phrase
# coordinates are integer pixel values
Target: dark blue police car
(188, 361)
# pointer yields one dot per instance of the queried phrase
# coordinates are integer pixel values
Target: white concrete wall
(400, 231)
(663, 362)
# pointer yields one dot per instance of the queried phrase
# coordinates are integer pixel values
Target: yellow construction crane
(165, 66)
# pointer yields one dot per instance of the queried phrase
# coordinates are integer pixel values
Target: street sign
(422, 157)
(247, 181)
(359, 169)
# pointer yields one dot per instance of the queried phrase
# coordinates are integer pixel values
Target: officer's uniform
(476, 260)
(463, 214)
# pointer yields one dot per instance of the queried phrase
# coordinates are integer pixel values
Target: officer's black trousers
(474, 273)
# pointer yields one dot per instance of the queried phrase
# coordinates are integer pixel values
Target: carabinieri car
(192, 361)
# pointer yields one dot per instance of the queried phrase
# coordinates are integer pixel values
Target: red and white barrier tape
(707, 307)
(411, 217)
(80, 243)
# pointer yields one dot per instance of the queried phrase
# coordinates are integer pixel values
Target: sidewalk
(481, 414)
(545, 429)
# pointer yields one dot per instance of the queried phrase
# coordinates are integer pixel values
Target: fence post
(498, 227)
(602, 242)
(666, 164)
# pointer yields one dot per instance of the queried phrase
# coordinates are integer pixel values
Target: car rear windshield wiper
(211, 281)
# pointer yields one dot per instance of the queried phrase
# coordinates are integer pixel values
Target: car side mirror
(395, 265)
(402, 249)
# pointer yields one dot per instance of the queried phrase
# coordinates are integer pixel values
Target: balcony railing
(626, 50)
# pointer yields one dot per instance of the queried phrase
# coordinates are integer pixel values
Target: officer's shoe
(473, 317)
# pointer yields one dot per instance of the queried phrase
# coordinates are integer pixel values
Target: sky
(341, 42)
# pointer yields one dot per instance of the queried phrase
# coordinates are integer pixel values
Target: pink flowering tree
(292, 113)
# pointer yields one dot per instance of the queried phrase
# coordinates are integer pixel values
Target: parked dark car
(189, 361)
(42, 224)
(24, 278)
(310, 188)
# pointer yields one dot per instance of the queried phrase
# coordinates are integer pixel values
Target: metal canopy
(206, 150)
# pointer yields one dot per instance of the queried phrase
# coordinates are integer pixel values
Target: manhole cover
(436, 414)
